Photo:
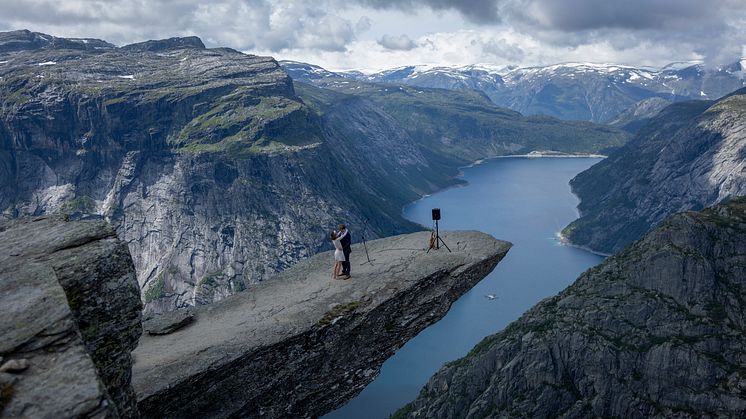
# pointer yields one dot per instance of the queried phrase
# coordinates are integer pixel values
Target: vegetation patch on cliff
(84, 204)
(156, 290)
(340, 310)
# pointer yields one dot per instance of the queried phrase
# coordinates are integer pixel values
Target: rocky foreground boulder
(70, 309)
(657, 330)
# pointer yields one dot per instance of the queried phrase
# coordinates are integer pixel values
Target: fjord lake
(526, 201)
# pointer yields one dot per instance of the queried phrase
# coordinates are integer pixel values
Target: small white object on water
(491, 296)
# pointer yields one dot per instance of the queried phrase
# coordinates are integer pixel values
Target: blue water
(525, 201)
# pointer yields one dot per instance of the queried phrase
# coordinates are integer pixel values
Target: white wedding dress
(339, 255)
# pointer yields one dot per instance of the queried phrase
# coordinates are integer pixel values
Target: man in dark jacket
(346, 242)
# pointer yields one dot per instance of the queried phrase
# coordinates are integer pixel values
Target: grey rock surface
(654, 331)
(15, 365)
(209, 166)
(639, 114)
(303, 343)
(205, 161)
(169, 322)
(71, 308)
(690, 156)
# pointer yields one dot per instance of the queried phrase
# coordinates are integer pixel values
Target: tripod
(438, 240)
(365, 244)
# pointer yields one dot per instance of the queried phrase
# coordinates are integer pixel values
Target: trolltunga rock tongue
(302, 343)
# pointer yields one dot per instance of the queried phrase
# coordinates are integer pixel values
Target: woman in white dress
(339, 255)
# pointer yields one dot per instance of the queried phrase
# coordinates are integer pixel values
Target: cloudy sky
(378, 34)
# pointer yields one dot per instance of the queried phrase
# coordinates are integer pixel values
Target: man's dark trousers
(346, 243)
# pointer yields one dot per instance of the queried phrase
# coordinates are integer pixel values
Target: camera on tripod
(435, 239)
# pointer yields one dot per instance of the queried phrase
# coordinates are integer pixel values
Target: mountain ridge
(689, 156)
(216, 172)
(571, 91)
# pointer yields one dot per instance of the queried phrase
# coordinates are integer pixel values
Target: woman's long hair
(333, 235)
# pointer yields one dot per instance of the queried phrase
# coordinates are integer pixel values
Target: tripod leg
(444, 244)
(365, 245)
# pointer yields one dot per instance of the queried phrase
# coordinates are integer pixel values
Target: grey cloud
(712, 28)
(241, 24)
(578, 15)
(709, 28)
(400, 42)
(479, 11)
(363, 24)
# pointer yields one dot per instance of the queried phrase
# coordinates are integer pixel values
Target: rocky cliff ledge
(655, 331)
(302, 344)
(70, 309)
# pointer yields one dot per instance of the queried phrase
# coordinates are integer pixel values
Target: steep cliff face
(211, 168)
(690, 156)
(303, 344)
(71, 309)
(656, 330)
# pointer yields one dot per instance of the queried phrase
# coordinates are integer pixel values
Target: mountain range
(217, 169)
(571, 91)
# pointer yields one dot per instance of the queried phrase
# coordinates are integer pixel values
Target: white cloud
(503, 50)
(242, 24)
(379, 34)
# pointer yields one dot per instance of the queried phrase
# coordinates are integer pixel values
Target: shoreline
(561, 238)
(537, 155)
(564, 241)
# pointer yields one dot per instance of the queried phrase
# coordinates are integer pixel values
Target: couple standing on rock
(342, 242)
